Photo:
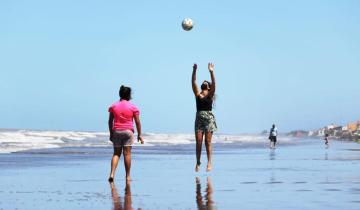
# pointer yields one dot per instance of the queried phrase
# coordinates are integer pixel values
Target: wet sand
(299, 176)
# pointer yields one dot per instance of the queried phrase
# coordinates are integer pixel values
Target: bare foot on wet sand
(209, 167)
(197, 168)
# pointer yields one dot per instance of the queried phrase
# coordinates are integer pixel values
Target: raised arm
(213, 83)
(138, 128)
(110, 123)
(193, 81)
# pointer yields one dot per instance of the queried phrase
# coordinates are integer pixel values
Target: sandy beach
(303, 175)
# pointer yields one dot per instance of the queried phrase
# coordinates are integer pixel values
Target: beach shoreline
(297, 176)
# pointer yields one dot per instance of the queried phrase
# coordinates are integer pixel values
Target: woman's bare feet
(197, 168)
(209, 167)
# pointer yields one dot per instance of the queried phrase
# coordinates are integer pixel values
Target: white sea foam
(19, 140)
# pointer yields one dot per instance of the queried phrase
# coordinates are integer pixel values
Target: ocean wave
(20, 140)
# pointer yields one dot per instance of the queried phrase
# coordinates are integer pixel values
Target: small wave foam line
(20, 140)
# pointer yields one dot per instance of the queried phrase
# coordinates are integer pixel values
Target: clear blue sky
(295, 63)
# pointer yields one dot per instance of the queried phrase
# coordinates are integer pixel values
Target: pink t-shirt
(124, 112)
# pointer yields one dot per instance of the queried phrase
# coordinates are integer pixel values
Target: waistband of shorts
(126, 130)
(204, 111)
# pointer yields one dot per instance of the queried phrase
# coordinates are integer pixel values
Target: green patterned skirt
(205, 121)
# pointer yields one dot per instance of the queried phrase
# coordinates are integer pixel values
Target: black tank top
(204, 104)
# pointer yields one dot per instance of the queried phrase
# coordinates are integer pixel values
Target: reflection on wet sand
(118, 203)
(209, 203)
(272, 155)
(326, 156)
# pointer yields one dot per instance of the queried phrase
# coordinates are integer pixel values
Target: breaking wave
(20, 140)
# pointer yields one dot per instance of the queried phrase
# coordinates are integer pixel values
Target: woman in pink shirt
(121, 115)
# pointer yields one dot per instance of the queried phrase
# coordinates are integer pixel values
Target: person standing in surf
(121, 116)
(273, 136)
(326, 139)
(205, 123)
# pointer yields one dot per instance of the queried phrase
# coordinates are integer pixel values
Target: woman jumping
(205, 120)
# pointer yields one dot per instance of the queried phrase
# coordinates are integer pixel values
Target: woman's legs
(127, 161)
(114, 162)
(208, 137)
(199, 140)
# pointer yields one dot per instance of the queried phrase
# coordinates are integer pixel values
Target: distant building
(332, 126)
(298, 133)
(337, 131)
(311, 133)
(344, 128)
(352, 127)
(321, 132)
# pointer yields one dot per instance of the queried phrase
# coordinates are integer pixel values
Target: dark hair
(125, 93)
(203, 87)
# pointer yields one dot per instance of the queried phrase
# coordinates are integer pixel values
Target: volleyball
(187, 24)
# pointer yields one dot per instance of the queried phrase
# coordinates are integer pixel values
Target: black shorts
(272, 138)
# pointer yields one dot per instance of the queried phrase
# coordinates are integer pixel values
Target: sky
(293, 63)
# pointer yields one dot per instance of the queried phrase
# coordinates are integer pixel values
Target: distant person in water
(273, 136)
(205, 123)
(121, 116)
(326, 138)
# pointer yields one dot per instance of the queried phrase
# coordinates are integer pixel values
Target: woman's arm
(138, 128)
(213, 83)
(110, 123)
(193, 80)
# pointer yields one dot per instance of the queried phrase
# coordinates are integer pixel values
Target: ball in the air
(187, 24)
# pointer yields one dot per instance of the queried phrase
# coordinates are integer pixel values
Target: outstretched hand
(194, 66)
(211, 67)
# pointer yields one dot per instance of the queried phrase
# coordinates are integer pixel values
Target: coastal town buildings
(350, 131)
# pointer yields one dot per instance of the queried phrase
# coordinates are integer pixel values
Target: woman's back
(124, 112)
